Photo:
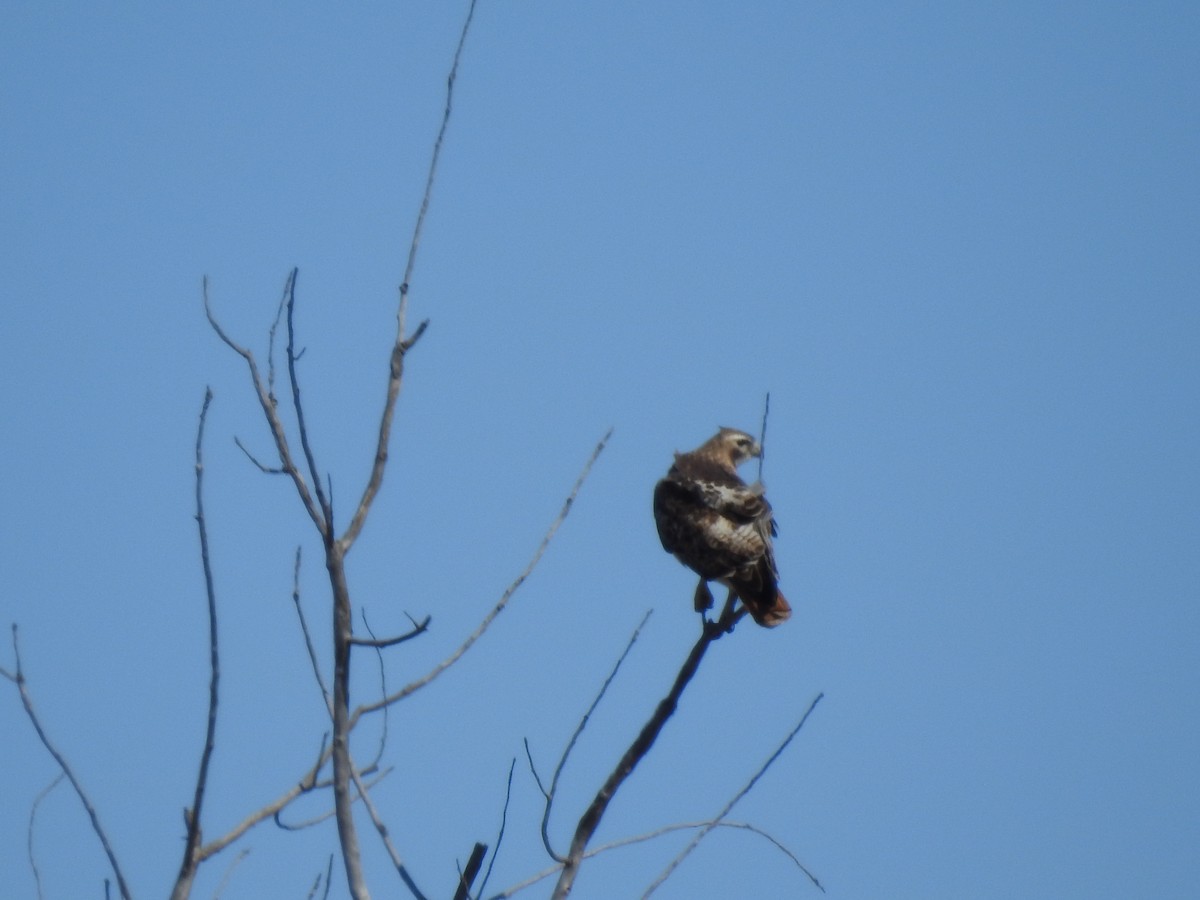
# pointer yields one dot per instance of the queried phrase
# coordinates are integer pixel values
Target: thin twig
(312, 653)
(329, 813)
(187, 868)
(228, 875)
(381, 828)
(590, 820)
(454, 657)
(298, 407)
(262, 467)
(651, 835)
(703, 832)
(37, 801)
(18, 677)
(549, 795)
(437, 152)
(383, 731)
(762, 437)
(403, 344)
(271, 413)
(503, 824)
(380, 643)
(287, 288)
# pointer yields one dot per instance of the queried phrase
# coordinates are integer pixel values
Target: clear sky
(957, 242)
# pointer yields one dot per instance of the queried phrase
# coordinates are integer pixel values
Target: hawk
(720, 527)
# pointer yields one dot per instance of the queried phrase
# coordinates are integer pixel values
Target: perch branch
(641, 745)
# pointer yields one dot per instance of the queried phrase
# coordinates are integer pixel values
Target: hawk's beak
(756, 449)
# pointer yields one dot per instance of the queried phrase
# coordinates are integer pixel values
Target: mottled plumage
(720, 527)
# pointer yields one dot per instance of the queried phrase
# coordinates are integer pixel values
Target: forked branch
(590, 820)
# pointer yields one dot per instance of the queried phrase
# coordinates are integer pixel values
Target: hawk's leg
(704, 597)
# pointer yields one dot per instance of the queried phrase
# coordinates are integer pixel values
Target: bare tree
(334, 768)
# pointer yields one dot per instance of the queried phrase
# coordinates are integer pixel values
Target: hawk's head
(730, 447)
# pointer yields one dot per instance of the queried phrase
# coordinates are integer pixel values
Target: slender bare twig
(383, 731)
(437, 151)
(298, 407)
(381, 828)
(316, 884)
(187, 868)
(454, 657)
(703, 832)
(262, 467)
(651, 835)
(380, 775)
(287, 289)
(762, 437)
(403, 344)
(419, 628)
(562, 761)
(229, 869)
(18, 678)
(500, 834)
(37, 801)
(312, 653)
(267, 401)
(641, 745)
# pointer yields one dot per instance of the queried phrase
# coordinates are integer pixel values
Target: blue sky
(957, 242)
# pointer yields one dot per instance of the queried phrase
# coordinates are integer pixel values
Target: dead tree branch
(641, 745)
(500, 834)
(454, 657)
(266, 400)
(703, 832)
(18, 678)
(187, 868)
(562, 761)
(37, 802)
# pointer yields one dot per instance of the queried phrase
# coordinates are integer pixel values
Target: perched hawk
(720, 527)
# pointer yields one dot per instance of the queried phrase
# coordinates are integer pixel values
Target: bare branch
(271, 413)
(312, 653)
(287, 288)
(383, 731)
(18, 678)
(265, 469)
(437, 152)
(404, 344)
(454, 657)
(187, 868)
(329, 813)
(316, 884)
(381, 828)
(549, 795)
(503, 824)
(651, 835)
(37, 802)
(703, 832)
(380, 643)
(228, 874)
(641, 745)
(313, 472)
